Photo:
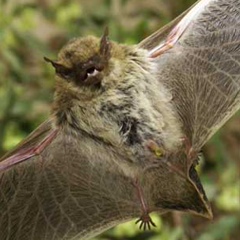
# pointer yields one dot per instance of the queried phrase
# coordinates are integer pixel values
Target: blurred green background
(32, 29)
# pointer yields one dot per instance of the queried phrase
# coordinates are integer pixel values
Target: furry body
(129, 108)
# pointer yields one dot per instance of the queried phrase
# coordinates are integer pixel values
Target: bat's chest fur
(141, 112)
(133, 116)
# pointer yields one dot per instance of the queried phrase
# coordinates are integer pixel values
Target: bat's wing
(65, 188)
(33, 145)
(199, 62)
(72, 188)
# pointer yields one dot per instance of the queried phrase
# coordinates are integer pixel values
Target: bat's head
(90, 69)
(83, 63)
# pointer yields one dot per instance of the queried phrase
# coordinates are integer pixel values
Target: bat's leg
(145, 220)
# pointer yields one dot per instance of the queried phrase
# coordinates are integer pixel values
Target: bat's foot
(145, 220)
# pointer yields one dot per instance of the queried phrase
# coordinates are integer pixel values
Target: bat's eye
(65, 73)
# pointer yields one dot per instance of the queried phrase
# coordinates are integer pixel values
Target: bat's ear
(105, 45)
(174, 189)
(60, 69)
(54, 63)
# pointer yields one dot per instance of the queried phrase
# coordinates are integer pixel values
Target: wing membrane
(63, 192)
(202, 69)
(34, 144)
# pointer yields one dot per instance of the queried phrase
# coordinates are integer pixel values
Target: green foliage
(35, 29)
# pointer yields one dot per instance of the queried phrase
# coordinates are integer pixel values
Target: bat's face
(111, 91)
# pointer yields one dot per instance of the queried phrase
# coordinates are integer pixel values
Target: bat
(125, 129)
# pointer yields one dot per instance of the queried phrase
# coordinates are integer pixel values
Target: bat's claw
(145, 222)
(155, 148)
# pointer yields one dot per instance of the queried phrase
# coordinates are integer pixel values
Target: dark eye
(65, 73)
